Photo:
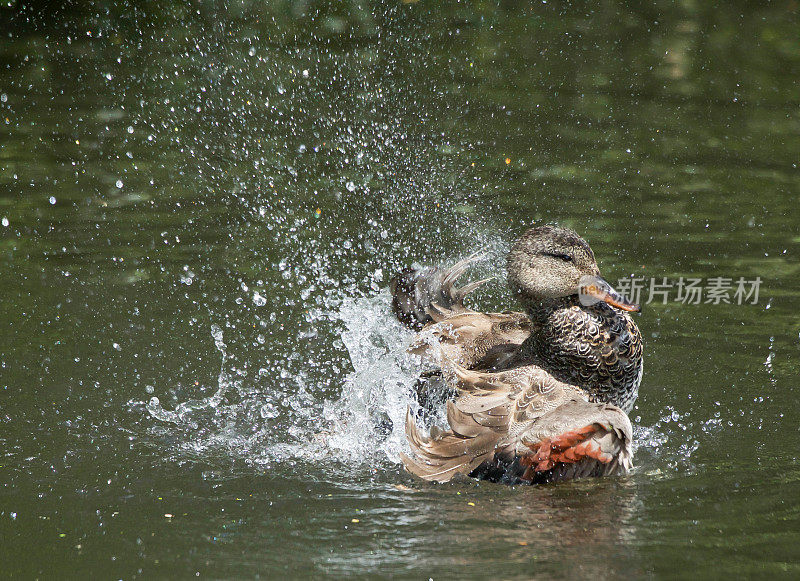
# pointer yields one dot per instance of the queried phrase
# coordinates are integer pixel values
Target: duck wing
(416, 290)
(427, 299)
(520, 426)
(474, 340)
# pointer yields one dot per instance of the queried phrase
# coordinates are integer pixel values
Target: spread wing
(416, 290)
(428, 299)
(490, 413)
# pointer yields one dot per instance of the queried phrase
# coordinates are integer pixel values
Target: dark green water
(203, 204)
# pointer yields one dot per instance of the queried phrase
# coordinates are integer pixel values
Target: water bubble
(216, 332)
(119, 184)
(188, 278)
(351, 187)
(308, 334)
(130, 128)
(252, 51)
(53, 200)
(3, 98)
(258, 300)
(268, 411)
(5, 222)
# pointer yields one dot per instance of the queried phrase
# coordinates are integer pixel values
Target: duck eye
(564, 257)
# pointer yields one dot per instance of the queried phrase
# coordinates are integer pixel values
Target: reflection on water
(486, 530)
(200, 210)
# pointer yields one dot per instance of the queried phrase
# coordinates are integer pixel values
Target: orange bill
(597, 288)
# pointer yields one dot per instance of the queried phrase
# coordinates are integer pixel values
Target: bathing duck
(537, 396)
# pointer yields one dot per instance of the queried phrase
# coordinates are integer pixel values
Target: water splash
(361, 426)
(768, 365)
(183, 412)
(670, 441)
(376, 395)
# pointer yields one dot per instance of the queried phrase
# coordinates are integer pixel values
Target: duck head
(549, 263)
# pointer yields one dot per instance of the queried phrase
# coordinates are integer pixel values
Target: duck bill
(594, 289)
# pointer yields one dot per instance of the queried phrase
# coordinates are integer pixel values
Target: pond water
(202, 205)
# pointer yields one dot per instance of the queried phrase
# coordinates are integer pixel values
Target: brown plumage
(520, 425)
(539, 396)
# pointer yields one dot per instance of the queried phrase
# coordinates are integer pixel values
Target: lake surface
(202, 206)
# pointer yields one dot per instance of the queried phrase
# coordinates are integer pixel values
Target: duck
(533, 396)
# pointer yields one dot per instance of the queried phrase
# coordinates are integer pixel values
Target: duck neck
(539, 346)
(540, 311)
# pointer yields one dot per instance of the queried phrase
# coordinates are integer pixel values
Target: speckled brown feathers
(597, 347)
